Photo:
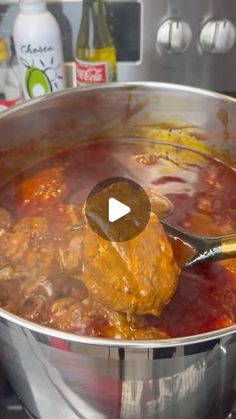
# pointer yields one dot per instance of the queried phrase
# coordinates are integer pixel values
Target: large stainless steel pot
(64, 376)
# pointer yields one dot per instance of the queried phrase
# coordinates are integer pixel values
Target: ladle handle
(215, 248)
(204, 248)
(228, 245)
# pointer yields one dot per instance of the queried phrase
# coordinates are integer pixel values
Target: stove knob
(174, 36)
(217, 36)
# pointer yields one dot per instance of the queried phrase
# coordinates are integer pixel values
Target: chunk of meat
(25, 264)
(32, 308)
(73, 213)
(45, 268)
(13, 247)
(137, 276)
(37, 283)
(5, 221)
(40, 255)
(48, 185)
(60, 217)
(5, 224)
(45, 283)
(6, 273)
(70, 250)
(45, 254)
(120, 327)
(67, 314)
(87, 317)
(42, 286)
(35, 228)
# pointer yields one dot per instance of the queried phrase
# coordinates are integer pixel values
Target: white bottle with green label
(38, 47)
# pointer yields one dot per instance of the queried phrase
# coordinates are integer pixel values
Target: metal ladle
(197, 249)
(202, 248)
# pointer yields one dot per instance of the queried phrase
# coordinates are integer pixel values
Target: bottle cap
(4, 54)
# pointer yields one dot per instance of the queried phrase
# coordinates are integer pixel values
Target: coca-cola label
(90, 73)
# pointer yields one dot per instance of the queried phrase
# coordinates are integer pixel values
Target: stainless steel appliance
(59, 375)
(178, 41)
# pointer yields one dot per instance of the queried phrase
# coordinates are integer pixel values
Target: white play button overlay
(116, 210)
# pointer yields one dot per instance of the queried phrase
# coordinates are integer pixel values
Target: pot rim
(96, 341)
(121, 343)
(145, 84)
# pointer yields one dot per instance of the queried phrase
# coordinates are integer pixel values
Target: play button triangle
(117, 210)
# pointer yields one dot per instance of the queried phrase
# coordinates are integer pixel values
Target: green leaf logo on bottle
(40, 81)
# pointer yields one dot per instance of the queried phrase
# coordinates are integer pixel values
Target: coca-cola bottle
(95, 50)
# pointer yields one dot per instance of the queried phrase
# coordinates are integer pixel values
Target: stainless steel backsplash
(135, 25)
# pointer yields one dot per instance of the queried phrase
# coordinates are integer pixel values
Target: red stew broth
(202, 191)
